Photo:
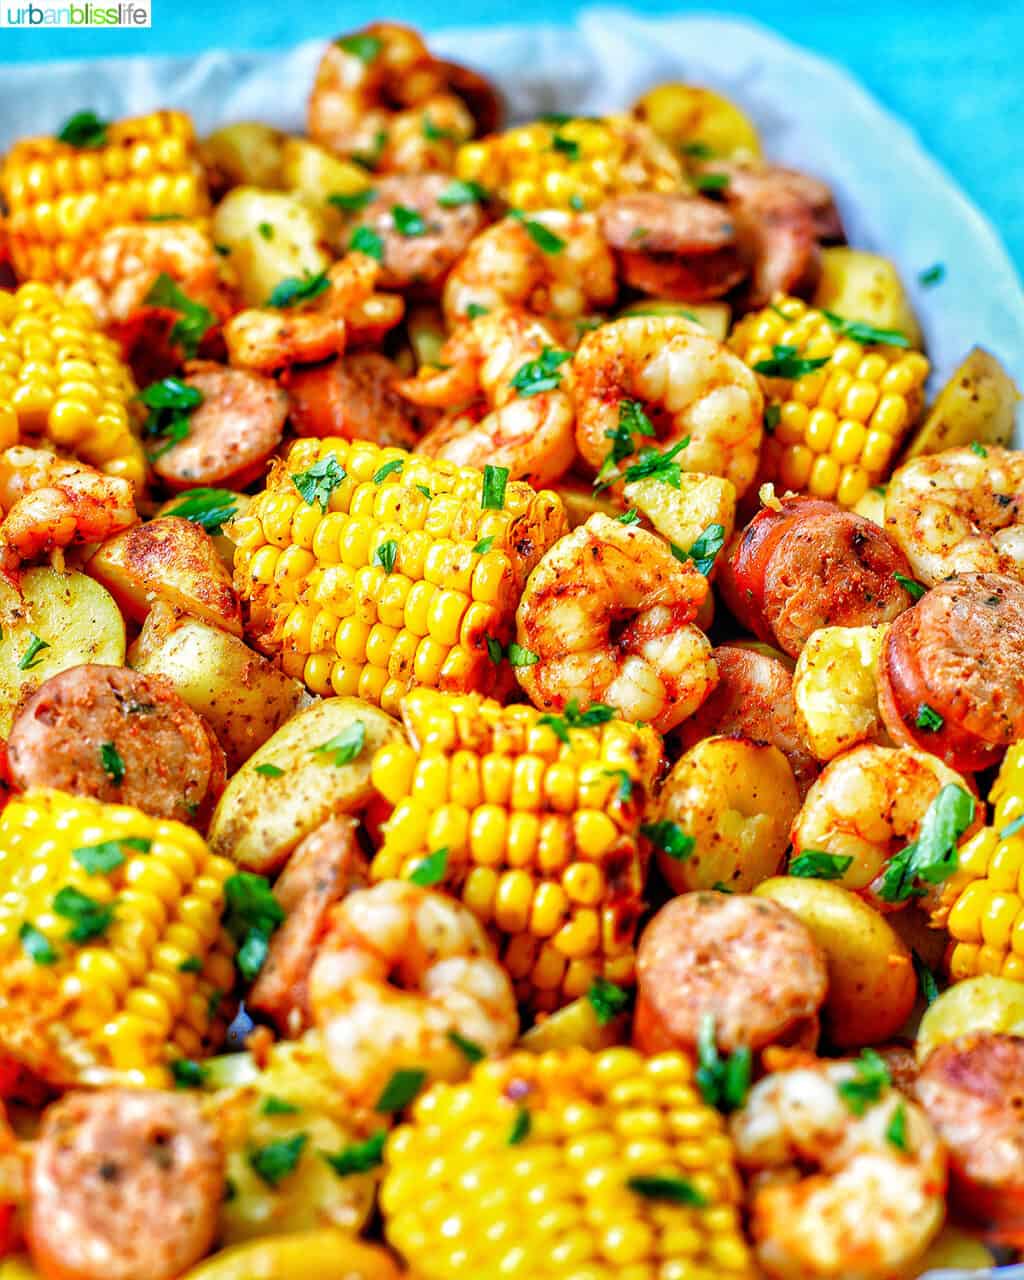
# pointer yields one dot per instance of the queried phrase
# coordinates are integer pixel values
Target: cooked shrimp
(490, 420)
(961, 511)
(266, 339)
(834, 1197)
(420, 236)
(868, 804)
(401, 969)
(555, 264)
(688, 384)
(51, 502)
(424, 139)
(609, 613)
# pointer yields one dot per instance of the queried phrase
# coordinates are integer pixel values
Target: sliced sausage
(353, 396)
(973, 1091)
(126, 1184)
(754, 699)
(654, 222)
(959, 651)
(746, 961)
(122, 737)
(325, 867)
(231, 434)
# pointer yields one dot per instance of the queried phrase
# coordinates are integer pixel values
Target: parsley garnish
(266, 230)
(366, 240)
(978, 449)
(784, 362)
(469, 1049)
(30, 658)
(365, 47)
(932, 275)
(699, 150)
(870, 1082)
(544, 239)
(926, 983)
(187, 1074)
(483, 546)
(869, 334)
(210, 508)
(521, 1126)
(293, 290)
(624, 791)
(320, 481)
(706, 548)
(474, 310)
(274, 1162)
(670, 838)
(37, 944)
(495, 650)
(84, 130)
(352, 202)
(191, 964)
(724, 1083)
(772, 417)
(358, 1157)
(170, 403)
(541, 374)
(573, 718)
(896, 1130)
(272, 1105)
(928, 719)
(813, 864)
(632, 516)
(576, 203)
(345, 746)
(268, 770)
(433, 132)
(196, 320)
(430, 870)
(633, 421)
(911, 586)
(607, 1000)
(113, 765)
(388, 469)
(520, 656)
(932, 857)
(492, 494)
(650, 464)
(668, 1189)
(101, 859)
(566, 146)
(251, 915)
(407, 221)
(89, 918)
(711, 181)
(386, 555)
(458, 192)
(400, 1090)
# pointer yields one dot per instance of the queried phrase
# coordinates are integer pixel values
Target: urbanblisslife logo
(127, 13)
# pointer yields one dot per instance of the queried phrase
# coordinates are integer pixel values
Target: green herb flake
(544, 239)
(469, 1049)
(896, 1129)
(495, 649)
(711, 181)
(541, 374)
(772, 417)
(36, 944)
(632, 516)
(607, 1000)
(978, 449)
(345, 746)
(813, 864)
(191, 964)
(430, 870)
(932, 857)
(521, 1127)
(209, 508)
(30, 658)
(274, 1162)
(386, 555)
(458, 192)
(84, 130)
(268, 770)
(573, 718)
(911, 586)
(870, 1081)
(101, 859)
(576, 203)
(251, 915)
(670, 838)
(784, 362)
(483, 546)
(474, 310)
(652, 465)
(706, 548)
(633, 421)
(187, 1074)
(932, 275)
(698, 150)
(366, 240)
(724, 1082)
(362, 45)
(433, 132)
(407, 221)
(272, 1105)
(1012, 828)
(170, 403)
(89, 918)
(928, 719)
(566, 146)
(352, 202)
(400, 1090)
(388, 469)
(926, 983)
(667, 1189)
(358, 1157)
(266, 230)
(492, 494)
(869, 334)
(195, 320)
(320, 481)
(292, 291)
(520, 656)
(111, 762)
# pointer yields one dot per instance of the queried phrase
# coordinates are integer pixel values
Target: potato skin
(979, 402)
(293, 248)
(865, 286)
(330, 1255)
(872, 987)
(985, 1003)
(261, 819)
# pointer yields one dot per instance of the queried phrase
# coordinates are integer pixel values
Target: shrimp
(689, 385)
(867, 805)
(267, 339)
(960, 511)
(52, 502)
(555, 264)
(834, 1197)
(401, 969)
(489, 420)
(424, 139)
(609, 612)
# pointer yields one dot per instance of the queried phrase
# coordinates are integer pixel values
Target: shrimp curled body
(609, 613)
(400, 970)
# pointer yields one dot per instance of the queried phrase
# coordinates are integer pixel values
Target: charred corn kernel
(80, 406)
(115, 1005)
(541, 842)
(371, 587)
(838, 426)
(530, 1167)
(60, 198)
(571, 165)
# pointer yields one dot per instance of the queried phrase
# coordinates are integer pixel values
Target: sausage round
(353, 396)
(231, 434)
(122, 737)
(973, 1091)
(125, 1183)
(960, 652)
(654, 222)
(746, 961)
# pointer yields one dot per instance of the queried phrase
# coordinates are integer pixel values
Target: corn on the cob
(566, 1166)
(101, 906)
(393, 574)
(59, 197)
(837, 427)
(540, 833)
(62, 378)
(574, 164)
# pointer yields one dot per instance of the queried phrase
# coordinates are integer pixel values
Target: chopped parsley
(483, 546)
(102, 859)
(266, 230)
(362, 45)
(422, 488)
(187, 1074)
(521, 1126)
(272, 1105)
(36, 944)
(785, 362)
(607, 1000)
(430, 870)
(492, 494)
(407, 221)
(113, 765)
(566, 146)
(195, 320)
(84, 130)
(813, 864)
(652, 465)
(896, 1129)
(469, 1049)
(191, 964)
(30, 658)
(711, 181)
(294, 290)
(934, 274)
(386, 555)
(573, 718)
(320, 481)
(352, 202)
(667, 1189)
(210, 508)
(624, 791)
(723, 1082)
(869, 334)
(458, 192)
(928, 719)
(268, 770)
(400, 1090)
(870, 1081)
(433, 132)
(926, 983)
(670, 838)
(978, 449)
(345, 746)
(366, 240)
(932, 857)
(495, 649)
(772, 417)
(358, 1157)
(576, 203)
(274, 1162)
(388, 469)
(541, 374)
(251, 915)
(698, 150)
(632, 516)
(544, 239)
(911, 586)
(89, 918)
(633, 421)
(706, 548)
(520, 656)
(170, 403)
(475, 310)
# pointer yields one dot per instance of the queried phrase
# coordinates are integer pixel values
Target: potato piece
(685, 115)
(71, 616)
(835, 688)
(581, 502)
(953, 1249)
(985, 1003)
(246, 153)
(716, 317)
(574, 1025)
(736, 799)
(865, 286)
(171, 560)
(242, 695)
(260, 819)
(871, 982)
(328, 1255)
(225, 547)
(872, 505)
(979, 402)
(682, 515)
(18, 1268)
(314, 174)
(270, 236)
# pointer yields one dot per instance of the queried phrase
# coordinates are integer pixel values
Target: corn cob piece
(60, 197)
(573, 164)
(111, 948)
(835, 429)
(567, 1165)
(540, 833)
(63, 379)
(392, 573)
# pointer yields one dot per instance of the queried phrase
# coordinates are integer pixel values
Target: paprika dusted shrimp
(489, 421)
(868, 804)
(609, 612)
(834, 1197)
(960, 511)
(400, 970)
(52, 502)
(554, 264)
(689, 385)
(270, 338)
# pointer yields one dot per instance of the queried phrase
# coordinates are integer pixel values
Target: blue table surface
(952, 70)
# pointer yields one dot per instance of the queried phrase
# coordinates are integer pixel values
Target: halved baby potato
(248, 152)
(985, 1003)
(978, 403)
(858, 285)
(683, 515)
(713, 316)
(270, 236)
(687, 116)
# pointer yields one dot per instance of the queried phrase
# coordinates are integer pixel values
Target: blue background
(951, 68)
